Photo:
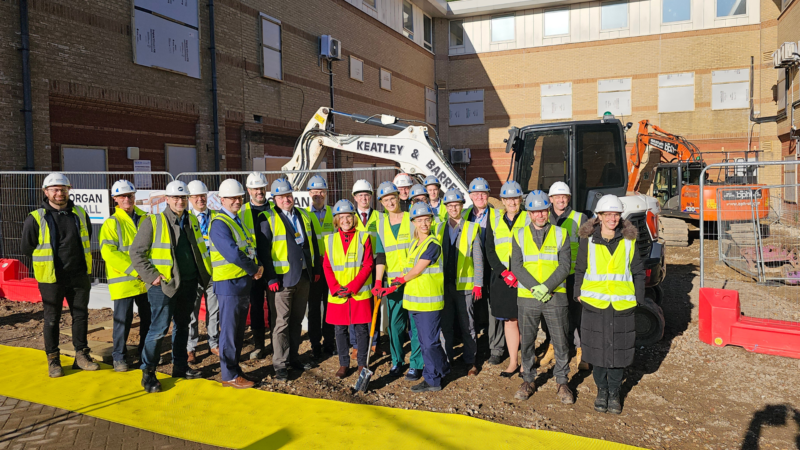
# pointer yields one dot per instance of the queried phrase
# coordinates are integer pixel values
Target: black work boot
(614, 404)
(149, 381)
(54, 365)
(601, 402)
(84, 361)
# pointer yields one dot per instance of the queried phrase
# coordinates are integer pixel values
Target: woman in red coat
(348, 266)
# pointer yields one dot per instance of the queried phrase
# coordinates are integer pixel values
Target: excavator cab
(670, 178)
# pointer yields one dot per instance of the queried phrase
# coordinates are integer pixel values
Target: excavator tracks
(674, 232)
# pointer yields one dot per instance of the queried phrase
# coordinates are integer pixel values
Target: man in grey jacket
(170, 255)
(542, 298)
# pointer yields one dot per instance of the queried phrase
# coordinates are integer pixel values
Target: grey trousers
(458, 305)
(497, 333)
(556, 313)
(212, 318)
(287, 308)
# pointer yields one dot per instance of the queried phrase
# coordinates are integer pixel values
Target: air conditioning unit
(459, 155)
(786, 55)
(330, 48)
(133, 153)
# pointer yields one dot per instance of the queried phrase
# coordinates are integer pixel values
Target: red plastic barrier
(16, 288)
(721, 324)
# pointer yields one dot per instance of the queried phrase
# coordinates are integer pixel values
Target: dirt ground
(680, 393)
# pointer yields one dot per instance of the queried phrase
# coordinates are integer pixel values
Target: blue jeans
(123, 318)
(164, 310)
(428, 330)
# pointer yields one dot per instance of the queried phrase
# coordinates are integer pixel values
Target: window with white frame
(503, 28)
(408, 19)
(556, 22)
(556, 101)
(370, 3)
(613, 15)
(676, 10)
(466, 108)
(271, 56)
(676, 92)
(728, 8)
(430, 105)
(427, 32)
(614, 96)
(730, 89)
(456, 33)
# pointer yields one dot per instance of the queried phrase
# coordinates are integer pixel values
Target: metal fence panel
(750, 243)
(21, 193)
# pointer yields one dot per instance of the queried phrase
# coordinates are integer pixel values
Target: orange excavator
(668, 167)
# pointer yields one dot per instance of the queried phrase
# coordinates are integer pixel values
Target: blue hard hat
(416, 190)
(281, 186)
(511, 189)
(343, 207)
(537, 201)
(420, 209)
(387, 188)
(431, 180)
(317, 182)
(479, 185)
(453, 195)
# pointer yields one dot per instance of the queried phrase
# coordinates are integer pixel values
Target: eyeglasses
(126, 195)
(57, 189)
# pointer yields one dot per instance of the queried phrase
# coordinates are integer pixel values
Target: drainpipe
(215, 113)
(27, 106)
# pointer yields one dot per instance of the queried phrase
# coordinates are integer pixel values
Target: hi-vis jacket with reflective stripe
(465, 268)
(211, 213)
(608, 279)
(572, 223)
(44, 267)
(116, 236)
(396, 249)
(426, 291)
(503, 235)
(542, 262)
(280, 251)
(325, 227)
(346, 265)
(222, 269)
(440, 210)
(161, 247)
(370, 227)
(248, 221)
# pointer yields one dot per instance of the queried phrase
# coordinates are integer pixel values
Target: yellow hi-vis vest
(116, 237)
(465, 269)
(396, 249)
(371, 227)
(346, 265)
(222, 269)
(540, 262)
(44, 266)
(426, 291)
(322, 229)
(503, 235)
(161, 247)
(572, 223)
(441, 214)
(280, 249)
(248, 221)
(608, 279)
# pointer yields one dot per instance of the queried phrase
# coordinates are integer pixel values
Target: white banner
(94, 201)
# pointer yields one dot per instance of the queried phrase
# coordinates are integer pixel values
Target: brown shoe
(565, 395)
(525, 391)
(360, 368)
(215, 351)
(354, 353)
(342, 372)
(473, 371)
(238, 383)
(191, 357)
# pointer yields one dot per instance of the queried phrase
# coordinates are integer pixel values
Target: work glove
(316, 278)
(477, 293)
(274, 287)
(546, 298)
(376, 291)
(344, 293)
(389, 290)
(539, 292)
(398, 281)
(510, 279)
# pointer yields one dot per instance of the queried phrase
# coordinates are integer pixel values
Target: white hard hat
(559, 188)
(256, 180)
(197, 187)
(609, 203)
(176, 189)
(362, 186)
(231, 188)
(403, 180)
(56, 179)
(122, 187)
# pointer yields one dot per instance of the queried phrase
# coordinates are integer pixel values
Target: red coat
(352, 311)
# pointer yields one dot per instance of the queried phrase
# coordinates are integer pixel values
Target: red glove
(389, 290)
(274, 287)
(376, 291)
(510, 279)
(477, 293)
(398, 281)
(316, 278)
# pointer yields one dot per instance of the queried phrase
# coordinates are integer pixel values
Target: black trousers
(257, 324)
(361, 332)
(320, 332)
(76, 290)
(608, 378)
(123, 317)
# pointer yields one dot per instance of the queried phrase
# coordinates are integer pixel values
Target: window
(676, 92)
(427, 32)
(544, 159)
(556, 101)
(502, 28)
(676, 10)
(598, 164)
(408, 20)
(613, 15)
(556, 22)
(386, 79)
(271, 57)
(727, 8)
(181, 158)
(356, 69)
(370, 3)
(614, 96)
(730, 89)
(430, 105)
(456, 33)
(466, 107)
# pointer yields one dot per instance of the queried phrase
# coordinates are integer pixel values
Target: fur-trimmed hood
(625, 228)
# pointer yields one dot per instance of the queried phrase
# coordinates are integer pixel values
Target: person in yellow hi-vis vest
(57, 238)
(418, 194)
(435, 194)
(171, 257)
(367, 221)
(251, 218)
(609, 282)
(424, 296)
(348, 266)
(540, 260)
(320, 333)
(124, 284)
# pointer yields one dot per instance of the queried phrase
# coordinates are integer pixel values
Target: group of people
(427, 258)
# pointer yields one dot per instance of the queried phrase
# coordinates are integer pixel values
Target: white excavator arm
(411, 148)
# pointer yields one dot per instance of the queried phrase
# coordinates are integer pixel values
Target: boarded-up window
(556, 101)
(676, 92)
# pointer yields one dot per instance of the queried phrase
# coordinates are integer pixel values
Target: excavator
(668, 167)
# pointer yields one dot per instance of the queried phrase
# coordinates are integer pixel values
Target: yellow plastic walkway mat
(203, 411)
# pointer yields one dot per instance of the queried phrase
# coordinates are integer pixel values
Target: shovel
(363, 378)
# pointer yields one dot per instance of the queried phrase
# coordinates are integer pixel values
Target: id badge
(298, 238)
(251, 252)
